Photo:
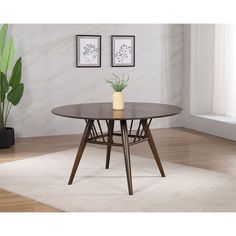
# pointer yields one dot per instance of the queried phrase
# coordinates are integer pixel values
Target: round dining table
(100, 115)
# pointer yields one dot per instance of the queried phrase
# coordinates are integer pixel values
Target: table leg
(125, 142)
(109, 139)
(152, 146)
(83, 142)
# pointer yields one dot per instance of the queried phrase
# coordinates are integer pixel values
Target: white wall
(51, 78)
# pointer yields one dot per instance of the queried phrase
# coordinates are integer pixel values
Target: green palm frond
(118, 83)
(11, 88)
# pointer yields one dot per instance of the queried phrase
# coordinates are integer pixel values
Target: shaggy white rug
(44, 179)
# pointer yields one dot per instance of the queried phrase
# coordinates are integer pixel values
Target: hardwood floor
(177, 145)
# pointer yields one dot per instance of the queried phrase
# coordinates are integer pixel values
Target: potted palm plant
(11, 88)
(118, 84)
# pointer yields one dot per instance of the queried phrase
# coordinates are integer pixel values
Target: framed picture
(88, 50)
(122, 51)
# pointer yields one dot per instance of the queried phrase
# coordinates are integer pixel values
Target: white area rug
(44, 179)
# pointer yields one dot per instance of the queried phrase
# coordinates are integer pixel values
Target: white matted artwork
(122, 51)
(88, 50)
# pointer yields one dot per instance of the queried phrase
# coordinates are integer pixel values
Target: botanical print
(88, 51)
(123, 51)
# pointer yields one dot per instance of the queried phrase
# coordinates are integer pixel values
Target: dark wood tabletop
(104, 111)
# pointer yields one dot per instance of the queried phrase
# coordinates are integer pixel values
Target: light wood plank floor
(177, 145)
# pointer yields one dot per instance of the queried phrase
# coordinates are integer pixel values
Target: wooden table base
(91, 135)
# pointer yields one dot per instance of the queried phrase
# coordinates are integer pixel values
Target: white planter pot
(118, 101)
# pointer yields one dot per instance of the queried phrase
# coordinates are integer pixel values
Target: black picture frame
(114, 62)
(79, 62)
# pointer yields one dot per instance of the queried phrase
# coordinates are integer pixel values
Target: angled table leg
(125, 141)
(83, 142)
(109, 139)
(152, 146)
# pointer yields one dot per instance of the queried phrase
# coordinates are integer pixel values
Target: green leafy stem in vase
(118, 83)
(11, 88)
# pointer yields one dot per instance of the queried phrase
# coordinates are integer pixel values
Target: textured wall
(51, 78)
